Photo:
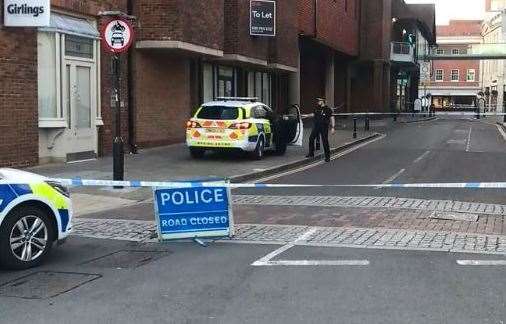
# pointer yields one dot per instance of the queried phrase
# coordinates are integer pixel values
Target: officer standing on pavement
(322, 119)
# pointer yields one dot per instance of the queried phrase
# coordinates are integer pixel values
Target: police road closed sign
(117, 35)
(263, 18)
(23, 13)
(193, 212)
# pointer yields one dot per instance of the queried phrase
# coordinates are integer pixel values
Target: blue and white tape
(437, 113)
(189, 184)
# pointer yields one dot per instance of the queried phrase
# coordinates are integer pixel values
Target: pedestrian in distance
(322, 119)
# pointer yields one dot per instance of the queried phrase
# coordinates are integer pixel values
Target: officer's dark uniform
(322, 117)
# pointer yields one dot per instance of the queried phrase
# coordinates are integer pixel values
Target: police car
(240, 124)
(34, 213)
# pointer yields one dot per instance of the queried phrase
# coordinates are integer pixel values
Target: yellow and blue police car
(235, 124)
(34, 214)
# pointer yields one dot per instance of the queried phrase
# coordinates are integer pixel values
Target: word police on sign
(263, 18)
(193, 212)
(27, 13)
(117, 35)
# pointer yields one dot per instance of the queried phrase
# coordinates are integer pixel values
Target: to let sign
(22, 13)
(263, 18)
(193, 212)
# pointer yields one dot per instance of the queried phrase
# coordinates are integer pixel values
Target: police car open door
(295, 125)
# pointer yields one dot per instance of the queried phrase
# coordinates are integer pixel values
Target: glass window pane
(46, 55)
(208, 83)
(251, 84)
(83, 97)
(78, 46)
(258, 86)
(265, 89)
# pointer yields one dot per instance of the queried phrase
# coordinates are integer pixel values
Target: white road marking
(481, 262)
(334, 157)
(421, 157)
(501, 131)
(468, 146)
(317, 263)
(392, 178)
(267, 260)
(284, 248)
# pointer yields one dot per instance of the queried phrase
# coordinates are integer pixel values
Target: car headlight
(60, 188)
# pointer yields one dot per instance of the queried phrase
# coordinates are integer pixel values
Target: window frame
(440, 51)
(442, 75)
(62, 117)
(455, 51)
(452, 75)
(473, 73)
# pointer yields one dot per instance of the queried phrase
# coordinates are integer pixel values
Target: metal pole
(354, 127)
(117, 146)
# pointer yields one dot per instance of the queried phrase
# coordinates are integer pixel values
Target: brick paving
(375, 238)
(372, 202)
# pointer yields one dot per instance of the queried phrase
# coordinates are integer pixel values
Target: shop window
(208, 86)
(78, 46)
(440, 51)
(439, 75)
(471, 75)
(455, 51)
(68, 77)
(226, 86)
(47, 70)
(259, 86)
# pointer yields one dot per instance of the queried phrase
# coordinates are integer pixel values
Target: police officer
(322, 117)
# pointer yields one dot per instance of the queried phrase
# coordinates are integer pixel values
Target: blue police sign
(193, 212)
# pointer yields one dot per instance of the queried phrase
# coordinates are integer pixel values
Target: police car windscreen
(218, 112)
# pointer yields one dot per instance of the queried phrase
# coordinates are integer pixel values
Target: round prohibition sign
(117, 35)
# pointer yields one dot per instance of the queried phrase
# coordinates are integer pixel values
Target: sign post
(193, 212)
(117, 37)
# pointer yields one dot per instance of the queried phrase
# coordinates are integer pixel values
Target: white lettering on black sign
(263, 18)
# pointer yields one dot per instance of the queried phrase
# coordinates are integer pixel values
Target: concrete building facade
(56, 81)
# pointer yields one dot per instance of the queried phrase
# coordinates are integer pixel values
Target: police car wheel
(26, 237)
(197, 153)
(258, 153)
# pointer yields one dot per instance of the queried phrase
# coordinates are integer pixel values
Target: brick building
(55, 90)
(455, 83)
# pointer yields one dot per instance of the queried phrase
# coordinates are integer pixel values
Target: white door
(81, 109)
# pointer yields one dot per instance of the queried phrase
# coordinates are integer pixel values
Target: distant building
(494, 83)
(454, 84)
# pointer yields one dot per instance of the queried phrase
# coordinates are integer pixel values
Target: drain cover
(45, 284)
(455, 216)
(125, 259)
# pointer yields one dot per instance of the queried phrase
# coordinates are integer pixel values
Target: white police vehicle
(34, 213)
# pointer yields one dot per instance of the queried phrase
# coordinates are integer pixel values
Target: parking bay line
(267, 260)
(481, 262)
(421, 157)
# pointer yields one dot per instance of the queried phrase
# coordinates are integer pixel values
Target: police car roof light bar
(250, 99)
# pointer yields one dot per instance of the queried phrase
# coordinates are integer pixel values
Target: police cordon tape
(437, 113)
(189, 184)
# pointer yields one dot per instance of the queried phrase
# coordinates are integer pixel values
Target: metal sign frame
(251, 18)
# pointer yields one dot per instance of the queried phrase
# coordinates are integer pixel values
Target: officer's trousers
(323, 132)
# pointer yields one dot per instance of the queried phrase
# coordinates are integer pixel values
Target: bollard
(354, 127)
(478, 113)
(395, 117)
(367, 127)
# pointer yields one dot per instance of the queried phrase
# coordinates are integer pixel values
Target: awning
(71, 25)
